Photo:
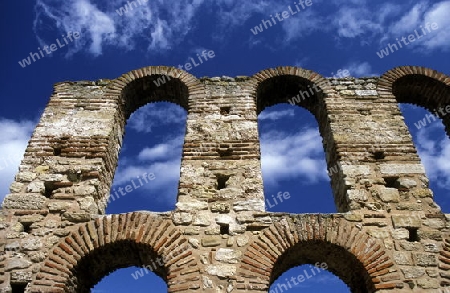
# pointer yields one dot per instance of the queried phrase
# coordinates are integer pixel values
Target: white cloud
(304, 23)
(417, 19)
(275, 115)
(287, 156)
(439, 38)
(167, 173)
(360, 69)
(434, 152)
(355, 21)
(95, 27)
(13, 142)
(410, 21)
(233, 13)
(163, 150)
(160, 25)
(156, 114)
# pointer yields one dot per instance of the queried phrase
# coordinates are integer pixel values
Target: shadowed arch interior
(426, 92)
(106, 259)
(339, 261)
(421, 90)
(286, 88)
(153, 88)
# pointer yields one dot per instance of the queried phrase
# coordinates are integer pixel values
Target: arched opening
(319, 256)
(131, 279)
(97, 248)
(294, 134)
(309, 278)
(428, 89)
(293, 162)
(102, 261)
(152, 112)
(433, 147)
(149, 162)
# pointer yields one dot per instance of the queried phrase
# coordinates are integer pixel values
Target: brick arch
(356, 258)
(173, 81)
(285, 83)
(133, 239)
(417, 85)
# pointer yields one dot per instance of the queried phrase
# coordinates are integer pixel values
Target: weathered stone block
(222, 271)
(226, 255)
(211, 241)
(17, 262)
(403, 258)
(425, 260)
(394, 169)
(403, 221)
(24, 201)
(192, 206)
(181, 218)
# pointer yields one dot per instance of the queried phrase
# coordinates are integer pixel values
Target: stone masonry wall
(389, 234)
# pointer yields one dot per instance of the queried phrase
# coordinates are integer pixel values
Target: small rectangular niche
(222, 181)
(27, 227)
(391, 182)
(18, 288)
(413, 235)
(378, 155)
(49, 188)
(57, 151)
(224, 229)
(225, 110)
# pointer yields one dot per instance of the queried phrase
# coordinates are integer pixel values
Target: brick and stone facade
(388, 234)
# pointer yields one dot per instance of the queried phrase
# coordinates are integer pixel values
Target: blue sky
(326, 36)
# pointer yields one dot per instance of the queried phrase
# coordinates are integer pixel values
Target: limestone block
(17, 262)
(249, 205)
(406, 221)
(202, 218)
(226, 255)
(24, 201)
(425, 259)
(88, 204)
(182, 218)
(192, 206)
(413, 272)
(366, 92)
(211, 241)
(31, 244)
(222, 271)
(394, 169)
(36, 187)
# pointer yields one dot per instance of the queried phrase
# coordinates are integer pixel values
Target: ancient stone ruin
(388, 236)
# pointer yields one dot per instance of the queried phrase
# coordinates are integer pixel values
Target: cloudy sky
(114, 38)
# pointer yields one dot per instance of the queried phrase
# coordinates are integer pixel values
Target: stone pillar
(221, 182)
(378, 163)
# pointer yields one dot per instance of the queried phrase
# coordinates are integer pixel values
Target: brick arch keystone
(156, 235)
(270, 254)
